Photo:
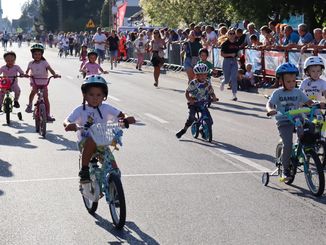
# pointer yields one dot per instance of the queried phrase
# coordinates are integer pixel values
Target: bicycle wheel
(207, 130)
(195, 129)
(292, 166)
(117, 202)
(321, 152)
(314, 173)
(90, 194)
(42, 116)
(7, 109)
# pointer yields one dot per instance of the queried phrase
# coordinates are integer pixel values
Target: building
(132, 7)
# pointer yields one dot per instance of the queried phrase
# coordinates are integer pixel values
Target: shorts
(187, 64)
(114, 53)
(157, 60)
(100, 53)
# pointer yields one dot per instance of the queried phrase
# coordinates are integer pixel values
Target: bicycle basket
(106, 134)
(311, 132)
(5, 83)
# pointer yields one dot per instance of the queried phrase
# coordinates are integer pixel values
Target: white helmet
(313, 61)
(201, 68)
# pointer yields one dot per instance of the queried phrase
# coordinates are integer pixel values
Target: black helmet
(9, 53)
(37, 47)
(95, 81)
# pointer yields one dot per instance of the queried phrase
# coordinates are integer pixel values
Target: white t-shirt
(91, 115)
(140, 44)
(212, 36)
(250, 76)
(99, 38)
(313, 89)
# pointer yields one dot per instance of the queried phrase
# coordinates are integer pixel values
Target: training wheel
(265, 178)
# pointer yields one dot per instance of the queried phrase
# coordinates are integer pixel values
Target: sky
(12, 8)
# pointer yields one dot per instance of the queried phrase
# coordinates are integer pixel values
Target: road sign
(90, 24)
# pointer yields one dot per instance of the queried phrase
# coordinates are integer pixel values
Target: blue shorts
(100, 53)
(114, 53)
(187, 63)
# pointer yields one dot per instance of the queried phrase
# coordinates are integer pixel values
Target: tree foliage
(174, 13)
(106, 14)
(30, 10)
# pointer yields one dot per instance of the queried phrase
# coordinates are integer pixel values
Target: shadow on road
(5, 171)
(9, 140)
(131, 233)
(173, 90)
(253, 103)
(58, 139)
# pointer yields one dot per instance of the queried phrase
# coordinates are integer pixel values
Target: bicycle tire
(42, 116)
(195, 129)
(90, 205)
(117, 201)
(321, 152)
(308, 172)
(293, 168)
(7, 109)
(207, 130)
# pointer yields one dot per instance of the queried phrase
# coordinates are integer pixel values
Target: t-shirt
(293, 38)
(91, 68)
(200, 90)
(11, 71)
(39, 70)
(313, 89)
(140, 44)
(99, 38)
(230, 48)
(113, 43)
(307, 38)
(250, 76)
(91, 115)
(285, 100)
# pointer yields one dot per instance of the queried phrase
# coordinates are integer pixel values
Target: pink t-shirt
(39, 70)
(91, 68)
(11, 71)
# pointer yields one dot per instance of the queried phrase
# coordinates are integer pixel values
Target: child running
(93, 110)
(91, 67)
(83, 58)
(313, 86)
(198, 91)
(38, 69)
(11, 70)
(284, 99)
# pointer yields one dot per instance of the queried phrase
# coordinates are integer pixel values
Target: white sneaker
(222, 87)
(285, 177)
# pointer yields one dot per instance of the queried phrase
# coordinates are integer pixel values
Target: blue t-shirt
(307, 38)
(285, 100)
(293, 38)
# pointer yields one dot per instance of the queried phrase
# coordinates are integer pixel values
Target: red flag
(121, 13)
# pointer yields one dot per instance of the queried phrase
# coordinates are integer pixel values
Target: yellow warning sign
(90, 24)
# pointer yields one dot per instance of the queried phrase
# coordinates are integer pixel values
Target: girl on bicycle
(38, 69)
(11, 70)
(284, 99)
(91, 67)
(93, 110)
(199, 90)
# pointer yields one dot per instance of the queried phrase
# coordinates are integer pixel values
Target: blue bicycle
(203, 122)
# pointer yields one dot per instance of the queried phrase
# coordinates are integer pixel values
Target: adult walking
(229, 50)
(99, 40)
(157, 47)
(113, 40)
(191, 48)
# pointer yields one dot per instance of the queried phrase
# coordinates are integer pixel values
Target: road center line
(134, 175)
(156, 118)
(70, 77)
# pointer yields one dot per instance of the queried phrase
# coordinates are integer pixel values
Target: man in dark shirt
(113, 41)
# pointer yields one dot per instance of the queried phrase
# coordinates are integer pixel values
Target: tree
(29, 11)
(106, 14)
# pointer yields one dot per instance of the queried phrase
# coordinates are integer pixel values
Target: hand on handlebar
(271, 113)
(71, 127)
(57, 76)
(192, 101)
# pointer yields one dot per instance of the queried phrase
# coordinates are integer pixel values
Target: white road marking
(70, 77)
(113, 98)
(134, 175)
(156, 118)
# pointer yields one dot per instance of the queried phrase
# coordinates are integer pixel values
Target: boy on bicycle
(283, 99)
(199, 91)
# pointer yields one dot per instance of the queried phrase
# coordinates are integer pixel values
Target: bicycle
(105, 179)
(203, 122)
(40, 111)
(303, 152)
(7, 105)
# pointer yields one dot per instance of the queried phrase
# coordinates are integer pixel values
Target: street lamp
(60, 13)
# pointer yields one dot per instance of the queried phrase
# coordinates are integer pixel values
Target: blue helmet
(286, 68)
(95, 81)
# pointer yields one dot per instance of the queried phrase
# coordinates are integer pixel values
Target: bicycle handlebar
(39, 78)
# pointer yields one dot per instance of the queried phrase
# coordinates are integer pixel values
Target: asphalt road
(185, 191)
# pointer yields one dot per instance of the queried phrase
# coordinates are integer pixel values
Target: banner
(121, 14)
(272, 60)
(298, 59)
(217, 58)
(254, 57)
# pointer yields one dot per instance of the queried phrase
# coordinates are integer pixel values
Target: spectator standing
(140, 44)
(113, 41)
(99, 40)
(157, 47)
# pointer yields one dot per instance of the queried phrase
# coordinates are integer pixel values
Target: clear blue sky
(12, 8)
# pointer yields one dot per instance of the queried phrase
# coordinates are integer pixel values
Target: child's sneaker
(84, 176)
(16, 104)
(180, 133)
(29, 109)
(286, 176)
(50, 119)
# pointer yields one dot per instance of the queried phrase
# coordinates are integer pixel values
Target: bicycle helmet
(95, 81)
(9, 53)
(92, 52)
(313, 61)
(37, 47)
(286, 68)
(201, 69)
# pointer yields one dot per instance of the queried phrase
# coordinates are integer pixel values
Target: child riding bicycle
(199, 90)
(284, 99)
(93, 110)
(91, 67)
